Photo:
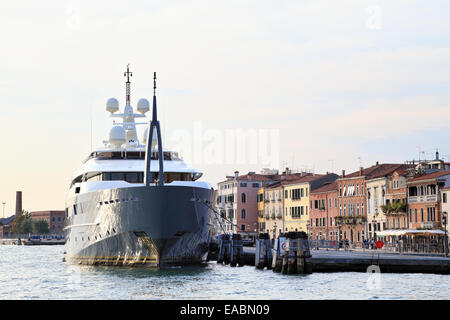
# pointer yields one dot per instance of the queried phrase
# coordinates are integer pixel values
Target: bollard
(292, 248)
(276, 257)
(224, 249)
(236, 250)
(284, 265)
(303, 255)
(263, 252)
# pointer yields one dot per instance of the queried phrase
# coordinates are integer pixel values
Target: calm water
(28, 272)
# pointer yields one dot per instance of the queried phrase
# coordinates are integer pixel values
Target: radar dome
(112, 105)
(143, 105)
(117, 136)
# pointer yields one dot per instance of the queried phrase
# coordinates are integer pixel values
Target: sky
(318, 85)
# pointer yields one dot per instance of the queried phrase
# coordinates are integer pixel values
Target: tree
(22, 223)
(40, 226)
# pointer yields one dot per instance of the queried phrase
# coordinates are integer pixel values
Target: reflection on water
(39, 273)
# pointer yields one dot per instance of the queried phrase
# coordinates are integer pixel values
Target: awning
(402, 232)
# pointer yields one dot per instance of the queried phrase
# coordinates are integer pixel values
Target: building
(424, 199)
(377, 187)
(297, 202)
(395, 208)
(5, 227)
(54, 218)
(237, 200)
(273, 209)
(445, 205)
(261, 218)
(323, 213)
(357, 202)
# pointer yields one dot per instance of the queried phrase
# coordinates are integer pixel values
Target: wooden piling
(224, 249)
(236, 250)
(263, 252)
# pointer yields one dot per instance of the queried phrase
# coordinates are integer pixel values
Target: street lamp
(444, 218)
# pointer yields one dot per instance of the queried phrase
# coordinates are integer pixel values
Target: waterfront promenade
(359, 261)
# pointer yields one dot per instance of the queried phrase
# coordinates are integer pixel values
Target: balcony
(349, 220)
(429, 225)
(394, 208)
(420, 199)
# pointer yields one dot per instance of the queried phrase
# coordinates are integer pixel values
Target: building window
(242, 227)
(243, 198)
(444, 197)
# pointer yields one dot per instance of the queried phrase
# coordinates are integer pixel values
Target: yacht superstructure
(128, 206)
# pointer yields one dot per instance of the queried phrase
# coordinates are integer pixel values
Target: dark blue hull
(139, 226)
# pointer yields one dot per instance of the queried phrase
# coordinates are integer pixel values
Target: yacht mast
(154, 124)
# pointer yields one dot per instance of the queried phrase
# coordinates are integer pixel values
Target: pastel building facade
(396, 200)
(445, 205)
(424, 199)
(324, 210)
(297, 203)
(237, 201)
(273, 209)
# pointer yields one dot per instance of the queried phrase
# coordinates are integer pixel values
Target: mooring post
(236, 250)
(276, 256)
(292, 248)
(224, 249)
(263, 253)
(303, 254)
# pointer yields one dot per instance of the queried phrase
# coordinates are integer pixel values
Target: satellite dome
(117, 136)
(143, 105)
(112, 105)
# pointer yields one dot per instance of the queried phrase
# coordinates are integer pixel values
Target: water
(38, 272)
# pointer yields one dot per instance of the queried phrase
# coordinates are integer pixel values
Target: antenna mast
(127, 74)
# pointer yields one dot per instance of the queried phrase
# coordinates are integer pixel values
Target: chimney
(437, 155)
(343, 173)
(18, 202)
(360, 171)
(287, 171)
(376, 163)
(236, 174)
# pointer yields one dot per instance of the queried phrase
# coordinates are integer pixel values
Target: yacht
(134, 203)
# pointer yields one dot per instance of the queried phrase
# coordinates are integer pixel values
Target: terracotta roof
(429, 176)
(258, 177)
(295, 180)
(327, 187)
(308, 178)
(377, 171)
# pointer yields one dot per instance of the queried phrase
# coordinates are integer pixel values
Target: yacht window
(135, 155)
(133, 177)
(117, 176)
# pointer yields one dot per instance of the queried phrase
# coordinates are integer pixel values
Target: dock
(32, 242)
(356, 261)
